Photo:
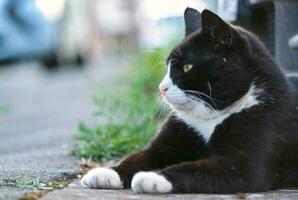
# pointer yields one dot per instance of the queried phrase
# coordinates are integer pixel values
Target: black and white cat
(234, 125)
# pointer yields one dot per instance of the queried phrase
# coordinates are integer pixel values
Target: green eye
(187, 67)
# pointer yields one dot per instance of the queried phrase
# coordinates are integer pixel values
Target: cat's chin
(181, 107)
(194, 109)
(179, 102)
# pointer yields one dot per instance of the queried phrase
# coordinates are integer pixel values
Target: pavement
(39, 112)
(77, 192)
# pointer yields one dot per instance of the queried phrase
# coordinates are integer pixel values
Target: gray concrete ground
(76, 192)
(39, 112)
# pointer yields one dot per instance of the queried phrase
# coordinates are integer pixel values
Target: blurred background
(61, 32)
(81, 76)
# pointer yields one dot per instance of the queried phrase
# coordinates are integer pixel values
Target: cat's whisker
(158, 64)
(206, 103)
(162, 109)
(210, 89)
(165, 110)
(173, 60)
(157, 95)
(198, 93)
(163, 50)
(175, 53)
(201, 93)
(193, 99)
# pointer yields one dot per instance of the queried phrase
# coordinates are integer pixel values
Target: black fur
(192, 20)
(253, 150)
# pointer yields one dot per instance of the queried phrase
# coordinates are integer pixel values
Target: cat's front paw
(150, 182)
(102, 178)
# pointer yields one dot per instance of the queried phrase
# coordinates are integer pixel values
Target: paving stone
(76, 192)
(43, 110)
(12, 193)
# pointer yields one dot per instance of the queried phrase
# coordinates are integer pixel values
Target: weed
(35, 184)
(128, 108)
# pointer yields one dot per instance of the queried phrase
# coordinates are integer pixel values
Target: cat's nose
(163, 89)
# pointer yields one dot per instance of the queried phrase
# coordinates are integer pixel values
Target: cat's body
(234, 125)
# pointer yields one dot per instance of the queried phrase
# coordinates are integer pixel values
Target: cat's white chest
(203, 127)
(204, 120)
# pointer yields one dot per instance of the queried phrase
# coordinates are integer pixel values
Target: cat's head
(209, 70)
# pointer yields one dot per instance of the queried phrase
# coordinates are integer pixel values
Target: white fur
(199, 116)
(174, 96)
(102, 178)
(205, 126)
(150, 182)
(166, 82)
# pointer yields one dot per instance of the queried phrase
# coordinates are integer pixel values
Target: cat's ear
(192, 19)
(220, 31)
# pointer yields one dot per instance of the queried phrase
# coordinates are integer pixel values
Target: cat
(234, 120)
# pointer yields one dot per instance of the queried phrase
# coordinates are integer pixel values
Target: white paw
(102, 178)
(150, 182)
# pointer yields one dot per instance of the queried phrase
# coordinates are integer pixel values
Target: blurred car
(33, 29)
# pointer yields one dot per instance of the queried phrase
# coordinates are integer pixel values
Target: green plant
(33, 183)
(128, 107)
(4, 109)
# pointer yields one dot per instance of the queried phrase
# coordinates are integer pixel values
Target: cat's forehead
(191, 49)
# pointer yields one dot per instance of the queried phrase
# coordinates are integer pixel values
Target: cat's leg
(217, 175)
(164, 150)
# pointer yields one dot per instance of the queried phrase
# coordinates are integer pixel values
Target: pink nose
(163, 89)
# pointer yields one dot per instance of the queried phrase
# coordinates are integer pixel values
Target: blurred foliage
(5, 109)
(128, 107)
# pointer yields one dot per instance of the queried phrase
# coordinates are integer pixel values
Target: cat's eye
(187, 67)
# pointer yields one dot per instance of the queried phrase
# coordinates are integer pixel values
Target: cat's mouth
(183, 102)
(178, 102)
